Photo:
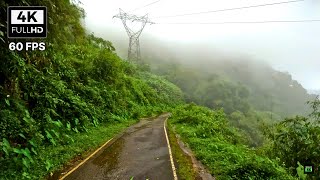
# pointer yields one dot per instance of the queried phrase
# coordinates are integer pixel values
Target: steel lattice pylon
(134, 46)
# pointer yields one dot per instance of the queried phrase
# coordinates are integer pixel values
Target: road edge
(85, 160)
(170, 152)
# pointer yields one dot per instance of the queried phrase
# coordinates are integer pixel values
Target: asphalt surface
(141, 152)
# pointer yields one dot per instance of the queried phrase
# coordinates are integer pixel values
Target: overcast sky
(292, 47)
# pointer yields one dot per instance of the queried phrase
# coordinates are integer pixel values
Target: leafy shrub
(221, 147)
(295, 140)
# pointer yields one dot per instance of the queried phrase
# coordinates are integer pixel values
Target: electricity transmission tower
(134, 46)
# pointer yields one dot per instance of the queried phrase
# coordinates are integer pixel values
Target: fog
(291, 47)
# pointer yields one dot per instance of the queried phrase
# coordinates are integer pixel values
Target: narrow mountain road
(142, 152)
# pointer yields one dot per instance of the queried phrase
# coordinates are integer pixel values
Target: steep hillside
(52, 100)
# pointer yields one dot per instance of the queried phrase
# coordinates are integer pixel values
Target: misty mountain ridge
(270, 89)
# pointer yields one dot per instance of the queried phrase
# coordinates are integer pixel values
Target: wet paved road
(142, 153)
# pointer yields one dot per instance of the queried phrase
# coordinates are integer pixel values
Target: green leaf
(25, 162)
(76, 121)
(69, 137)
(7, 102)
(75, 130)
(27, 119)
(26, 153)
(5, 149)
(48, 165)
(26, 175)
(48, 135)
(6, 143)
(6, 146)
(32, 143)
(21, 135)
(300, 171)
(34, 151)
(68, 126)
(53, 141)
(18, 151)
(85, 129)
(57, 123)
(48, 118)
(55, 133)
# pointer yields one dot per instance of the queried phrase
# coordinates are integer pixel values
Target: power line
(145, 5)
(230, 9)
(251, 22)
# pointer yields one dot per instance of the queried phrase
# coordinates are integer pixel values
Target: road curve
(141, 152)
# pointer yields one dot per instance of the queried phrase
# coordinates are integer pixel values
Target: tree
(297, 140)
(315, 105)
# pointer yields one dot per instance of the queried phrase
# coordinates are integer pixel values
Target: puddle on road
(108, 159)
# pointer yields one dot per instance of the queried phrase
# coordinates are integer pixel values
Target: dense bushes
(76, 84)
(221, 147)
(296, 140)
(71, 94)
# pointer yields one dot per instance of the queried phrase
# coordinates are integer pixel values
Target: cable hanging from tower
(149, 4)
(245, 22)
(229, 9)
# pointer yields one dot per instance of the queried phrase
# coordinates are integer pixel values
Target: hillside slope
(53, 98)
(269, 89)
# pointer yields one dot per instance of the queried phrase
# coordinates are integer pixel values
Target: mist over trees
(269, 89)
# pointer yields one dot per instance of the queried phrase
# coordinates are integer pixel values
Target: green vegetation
(61, 103)
(184, 164)
(296, 140)
(233, 83)
(216, 92)
(255, 99)
(247, 104)
(221, 147)
(75, 90)
(51, 158)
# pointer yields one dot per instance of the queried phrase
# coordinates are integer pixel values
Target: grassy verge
(53, 158)
(184, 164)
(221, 147)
